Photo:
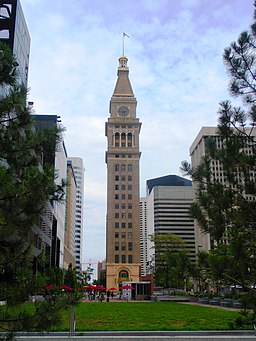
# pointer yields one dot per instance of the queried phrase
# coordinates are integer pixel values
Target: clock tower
(123, 196)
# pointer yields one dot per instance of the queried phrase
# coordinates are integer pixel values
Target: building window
(130, 246)
(129, 187)
(116, 206)
(116, 246)
(123, 206)
(123, 187)
(129, 178)
(123, 235)
(130, 215)
(117, 167)
(117, 178)
(130, 259)
(123, 246)
(123, 196)
(116, 234)
(129, 206)
(130, 167)
(116, 215)
(116, 258)
(123, 177)
(116, 187)
(116, 196)
(116, 225)
(130, 235)
(129, 225)
(123, 225)
(123, 259)
(123, 274)
(123, 167)
(129, 196)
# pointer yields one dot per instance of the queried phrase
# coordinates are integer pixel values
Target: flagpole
(124, 35)
(123, 44)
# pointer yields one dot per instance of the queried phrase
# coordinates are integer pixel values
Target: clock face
(123, 111)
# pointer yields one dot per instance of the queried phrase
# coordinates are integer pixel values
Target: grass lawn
(97, 316)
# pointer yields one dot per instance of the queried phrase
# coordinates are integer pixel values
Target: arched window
(117, 139)
(123, 139)
(129, 139)
(123, 274)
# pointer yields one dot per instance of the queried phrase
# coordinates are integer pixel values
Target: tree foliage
(172, 263)
(26, 186)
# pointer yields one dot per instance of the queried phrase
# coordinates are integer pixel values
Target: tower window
(123, 246)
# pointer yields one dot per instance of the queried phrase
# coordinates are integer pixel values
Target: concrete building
(167, 211)
(78, 170)
(52, 222)
(123, 198)
(70, 221)
(198, 150)
(146, 230)
(14, 32)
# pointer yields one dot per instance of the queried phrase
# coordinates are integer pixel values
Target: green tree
(26, 185)
(172, 264)
(228, 210)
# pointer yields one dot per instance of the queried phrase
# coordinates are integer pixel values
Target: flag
(125, 35)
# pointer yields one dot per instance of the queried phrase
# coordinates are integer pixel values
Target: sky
(174, 53)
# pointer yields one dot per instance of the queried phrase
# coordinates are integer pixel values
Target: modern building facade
(70, 221)
(52, 222)
(14, 32)
(78, 169)
(123, 198)
(198, 150)
(167, 211)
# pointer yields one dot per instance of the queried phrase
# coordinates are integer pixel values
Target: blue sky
(176, 70)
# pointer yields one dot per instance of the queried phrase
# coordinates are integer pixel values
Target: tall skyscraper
(78, 168)
(123, 197)
(14, 32)
(165, 210)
